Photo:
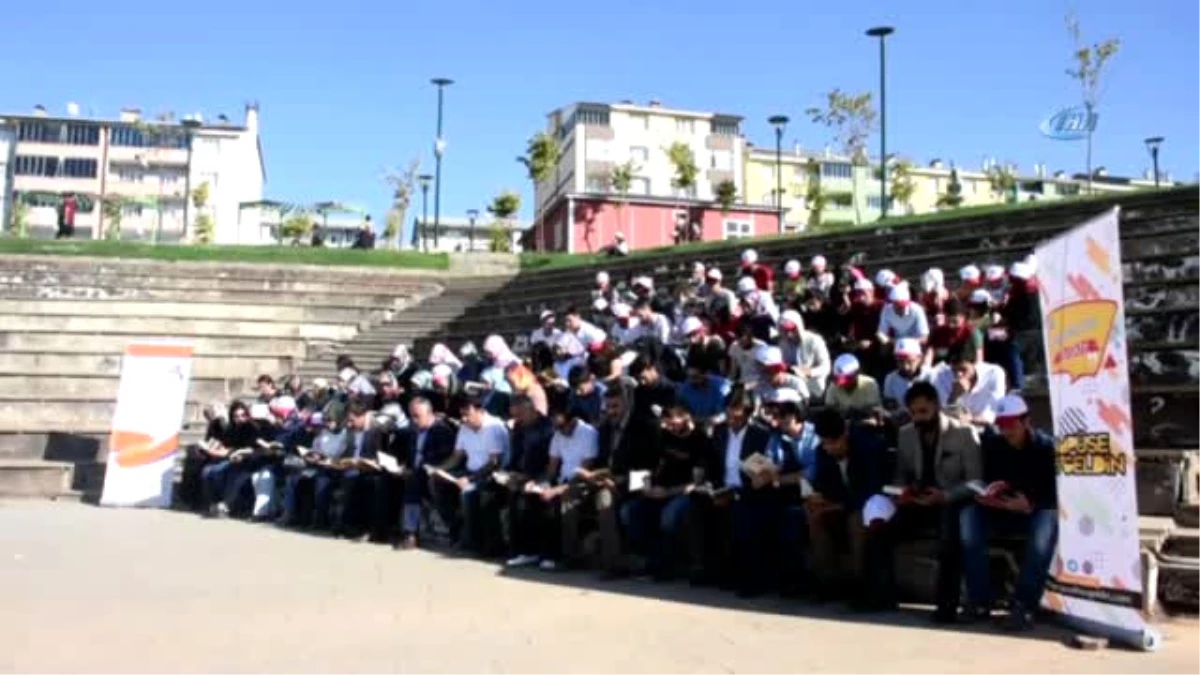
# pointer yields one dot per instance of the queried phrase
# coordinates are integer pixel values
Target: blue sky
(344, 86)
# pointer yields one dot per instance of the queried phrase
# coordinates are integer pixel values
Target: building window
(129, 174)
(722, 160)
(131, 211)
(39, 132)
(133, 137)
(836, 170)
(1066, 189)
(639, 155)
(38, 165)
(685, 126)
(79, 168)
(639, 186)
(639, 121)
(725, 128)
(83, 134)
(738, 229)
(769, 199)
(596, 184)
(874, 202)
(593, 117)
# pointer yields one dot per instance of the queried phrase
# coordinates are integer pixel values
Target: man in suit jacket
(937, 457)
(428, 440)
(358, 472)
(711, 532)
(849, 471)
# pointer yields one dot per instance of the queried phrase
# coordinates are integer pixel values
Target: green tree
(542, 154)
(503, 207)
(205, 230)
(1088, 70)
(403, 183)
(621, 181)
(952, 199)
(851, 117)
(726, 195)
(200, 195)
(296, 227)
(112, 208)
(19, 227)
(1003, 182)
(902, 188)
(814, 196)
(684, 161)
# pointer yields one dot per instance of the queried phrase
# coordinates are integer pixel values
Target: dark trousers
(363, 507)
(912, 521)
(840, 532)
(495, 523)
(536, 526)
(190, 494)
(585, 506)
(654, 528)
(710, 537)
(1040, 530)
(770, 533)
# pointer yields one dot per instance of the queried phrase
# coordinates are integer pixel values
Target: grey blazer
(959, 458)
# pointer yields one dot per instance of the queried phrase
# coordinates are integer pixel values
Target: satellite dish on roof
(73, 109)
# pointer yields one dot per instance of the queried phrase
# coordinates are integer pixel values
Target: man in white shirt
(742, 357)
(625, 328)
(974, 389)
(651, 324)
(805, 352)
(776, 375)
(481, 443)
(587, 333)
(910, 368)
(547, 332)
(902, 318)
(537, 527)
(756, 304)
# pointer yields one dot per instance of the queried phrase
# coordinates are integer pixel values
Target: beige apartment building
(145, 168)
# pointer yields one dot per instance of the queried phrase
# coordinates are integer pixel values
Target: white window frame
(741, 229)
(639, 154)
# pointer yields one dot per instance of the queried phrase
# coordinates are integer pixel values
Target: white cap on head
(546, 314)
(692, 324)
(908, 347)
(980, 296)
(698, 266)
(320, 383)
(1021, 270)
(494, 345)
(969, 273)
(994, 272)
(900, 293)
(619, 236)
(792, 268)
(442, 372)
(749, 256)
(645, 282)
(601, 278)
(621, 310)
(845, 365)
(791, 320)
(600, 305)
(346, 374)
(1011, 406)
(400, 352)
(932, 280)
(714, 274)
(784, 395)
(864, 285)
(818, 262)
(884, 277)
(769, 356)
(746, 285)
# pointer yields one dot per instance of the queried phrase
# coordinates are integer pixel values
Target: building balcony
(147, 156)
(58, 150)
(57, 185)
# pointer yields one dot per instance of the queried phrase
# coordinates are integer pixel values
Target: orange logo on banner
(137, 449)
(1078, 336)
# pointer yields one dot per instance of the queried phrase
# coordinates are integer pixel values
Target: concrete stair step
(104, 388)
(15, 290)
(203, 367)
(43, 415)
(75, 448)
(263, 311)
(168, 327)
(115, 343)
(34, 478)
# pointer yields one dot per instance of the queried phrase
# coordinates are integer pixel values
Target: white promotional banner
(1096, 577)
(145, 429)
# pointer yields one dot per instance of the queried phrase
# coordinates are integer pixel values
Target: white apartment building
(594, 138)
(146, 167)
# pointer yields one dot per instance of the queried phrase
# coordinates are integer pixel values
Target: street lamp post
(882, 32)
(424, 180)
(1152, 144)
(190, 125)
(780, 123)
(472, 214)
(439, 148)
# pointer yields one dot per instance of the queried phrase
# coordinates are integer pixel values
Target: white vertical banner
(1096, 578)
(145, 431)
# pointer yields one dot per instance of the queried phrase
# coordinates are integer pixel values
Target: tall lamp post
(1152, 145)
(190, 124)
(780, 123)
(439, 148)
(472, 214)
(424, 180)
(882, 32)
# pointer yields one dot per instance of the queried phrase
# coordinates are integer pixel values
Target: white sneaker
(548, 565)
(521, 561)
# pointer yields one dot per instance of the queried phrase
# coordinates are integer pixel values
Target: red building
(587, 223)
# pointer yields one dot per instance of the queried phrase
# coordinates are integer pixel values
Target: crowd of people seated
(782, 433)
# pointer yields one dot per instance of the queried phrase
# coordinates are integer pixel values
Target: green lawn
(545, 261)
(278, 255)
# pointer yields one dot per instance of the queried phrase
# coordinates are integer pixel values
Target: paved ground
(89, 589)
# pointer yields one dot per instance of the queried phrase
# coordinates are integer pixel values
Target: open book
(270, 446)
(501, 477)
(638, 480)
(441, 474)
(757, 463)
(988, 491)
(388, 463)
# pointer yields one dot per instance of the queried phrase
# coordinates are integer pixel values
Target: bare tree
(402, 183)
(1088, 71)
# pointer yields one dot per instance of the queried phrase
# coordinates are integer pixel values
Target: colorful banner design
(1096, 577)
(146, 423)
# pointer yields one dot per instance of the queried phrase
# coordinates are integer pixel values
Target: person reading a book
(937, 456)
(573, 450)
(314, 458)
(529, 454)
(359, 478)
(701, 393)
(428, 440)
(1021, 499)
(971, 388)
(655, 518)
(216, 478)
(848, 472)
(711, 532)
(854, 394)
(481, 444)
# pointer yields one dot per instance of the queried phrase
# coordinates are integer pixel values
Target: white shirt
(583, 444)
(539, 335)
(745, 363)
(658, 327)
(765, 306)
(911, 324)
(733, 457)
(810, 352)
(479, 446)
(895, 385)
(984, 397)
(625, 335)
(588, 333)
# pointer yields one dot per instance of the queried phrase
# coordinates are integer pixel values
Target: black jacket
(439, 444)
(756, 440)
(529, 448)
(865, 471)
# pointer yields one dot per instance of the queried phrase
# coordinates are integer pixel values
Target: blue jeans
(1041, 531)
(214, 479)
(770, 539)
(653, 526)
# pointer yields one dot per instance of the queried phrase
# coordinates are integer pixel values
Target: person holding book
(1020, 498)
(769, 521)
(937, 457)
(481, 443)
(655, 518)
(972, 389)
(312, 459)
(848, 472)
(428, 440)
(711, 533)
(358, 475)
